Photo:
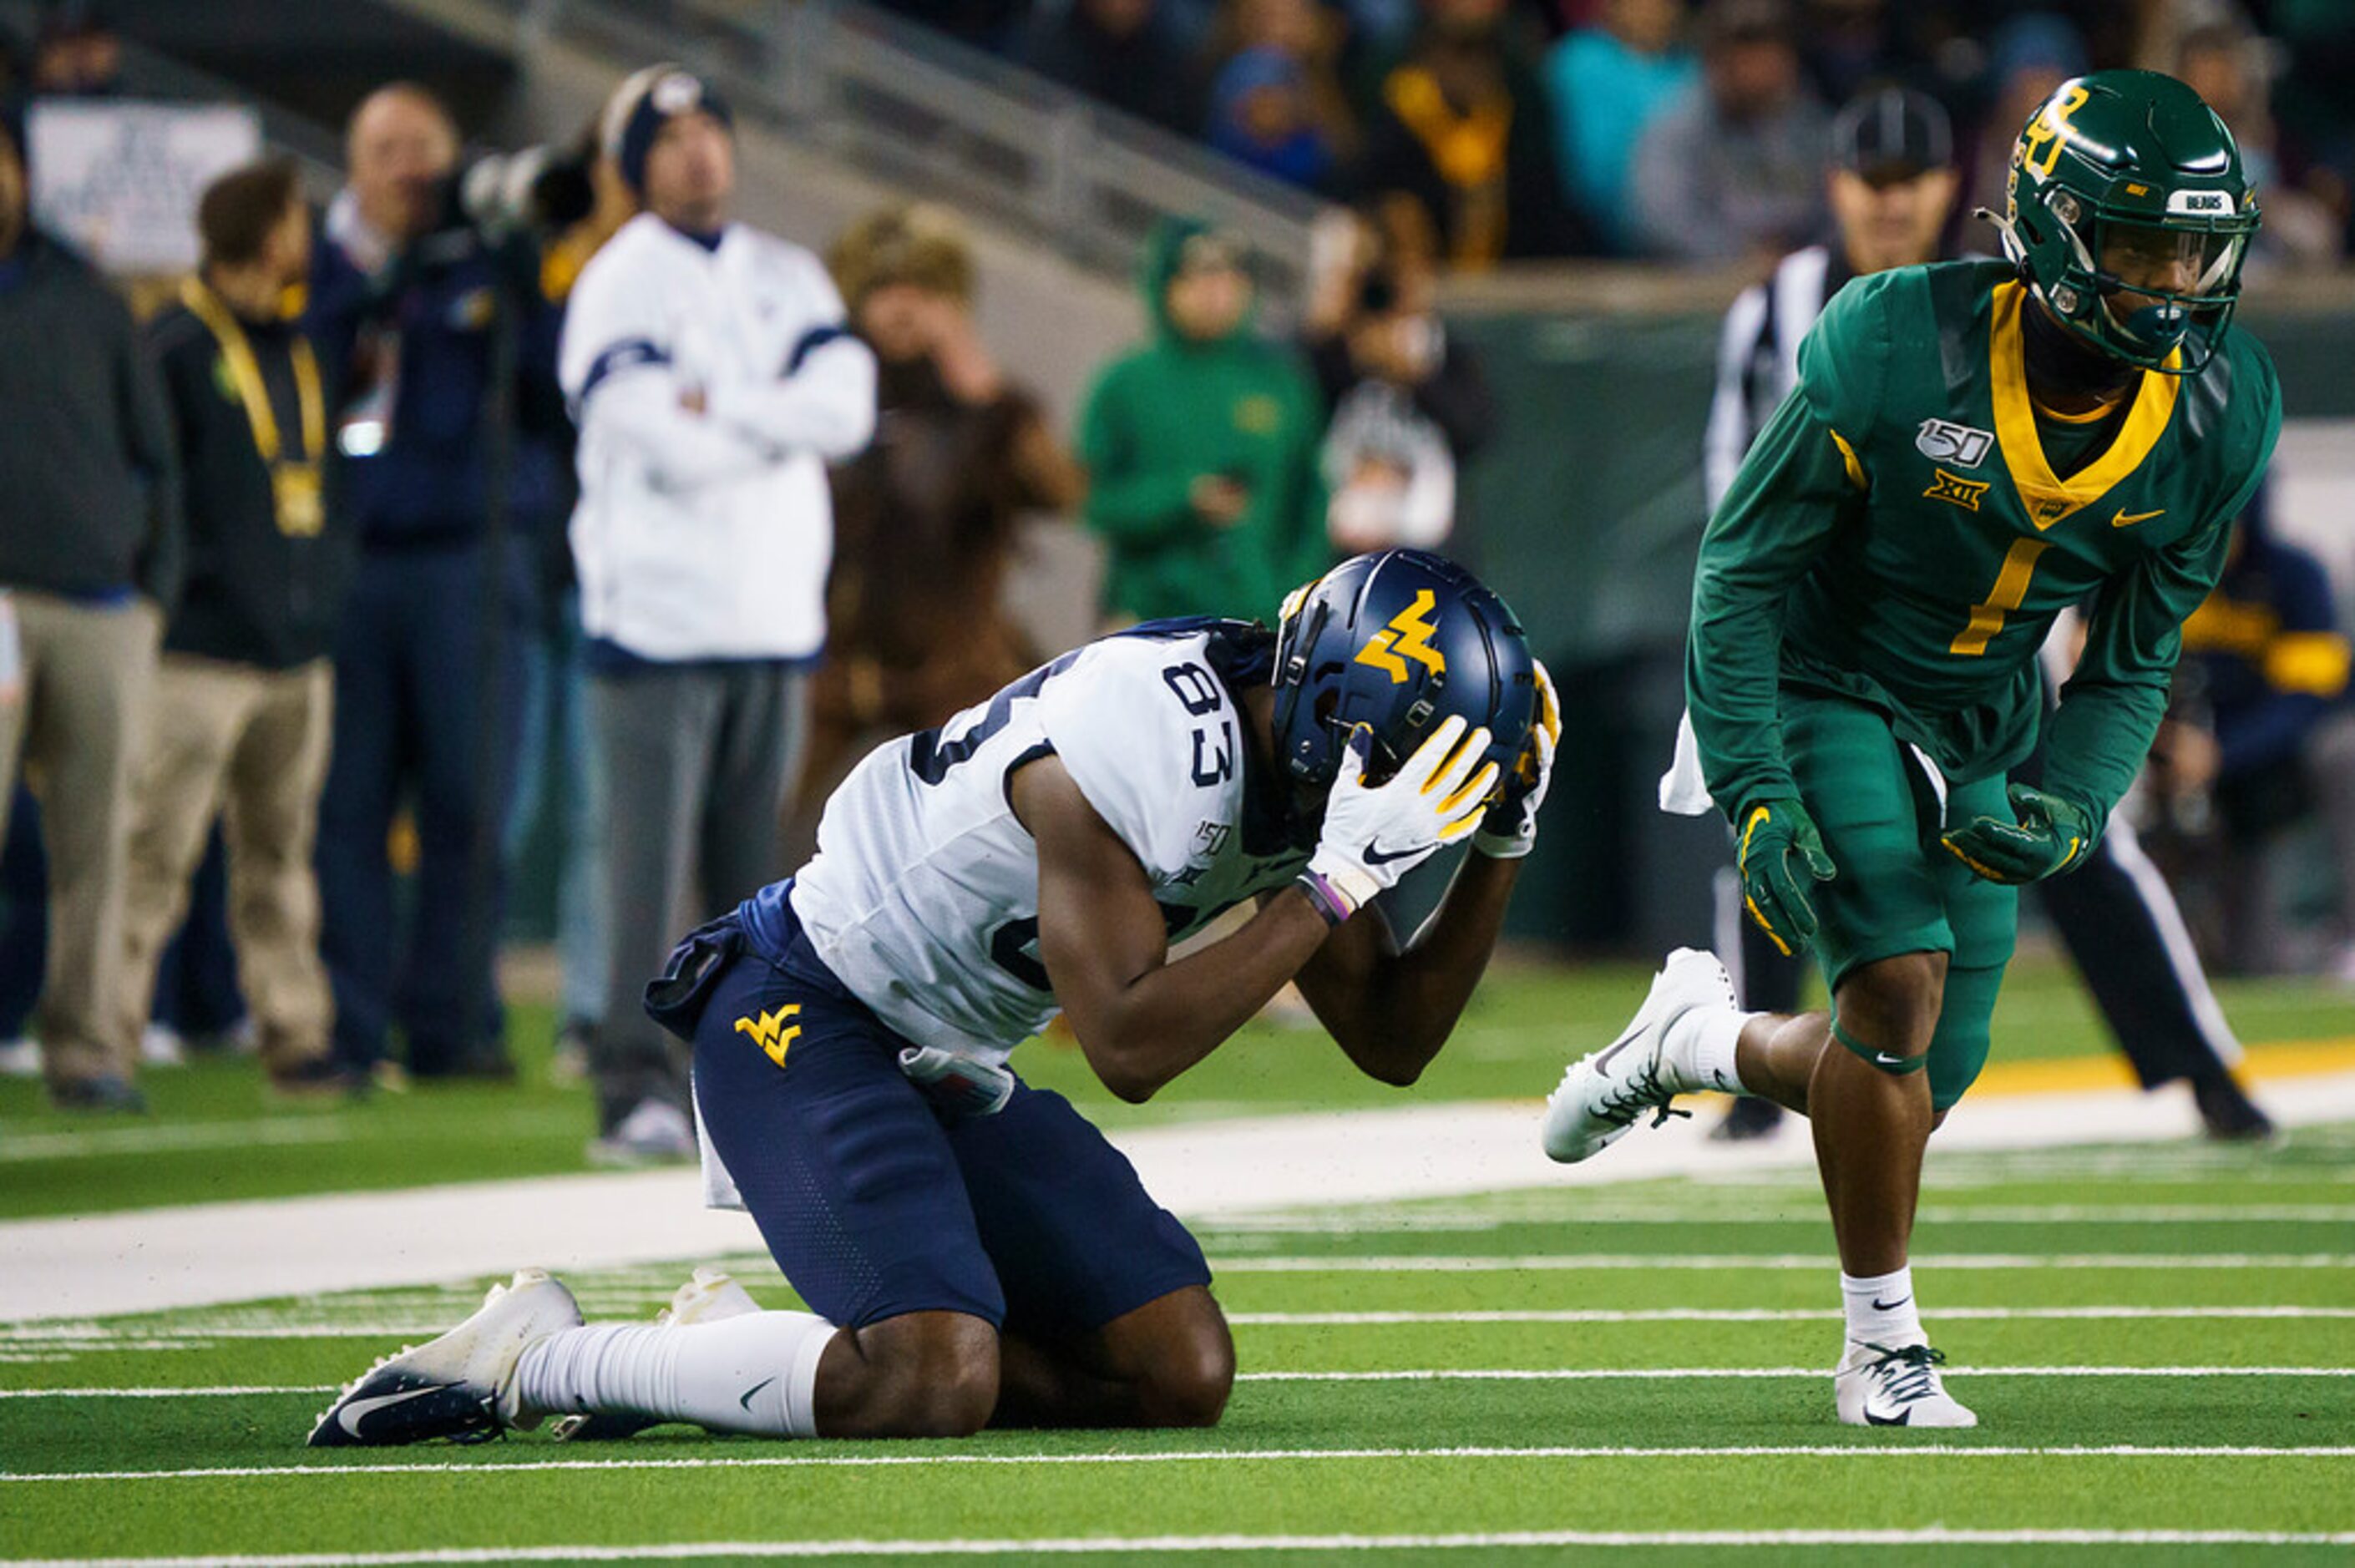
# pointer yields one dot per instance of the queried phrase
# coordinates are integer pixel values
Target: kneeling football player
(971, 1249)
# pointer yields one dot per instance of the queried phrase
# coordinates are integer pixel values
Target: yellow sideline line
(2260, 1063)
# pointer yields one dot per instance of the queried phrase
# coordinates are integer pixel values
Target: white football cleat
(1876, 1385)
(1603, 1094)
(710, 1296)
(460, 1386)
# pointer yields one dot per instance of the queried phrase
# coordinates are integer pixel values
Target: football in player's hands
(1376, 833)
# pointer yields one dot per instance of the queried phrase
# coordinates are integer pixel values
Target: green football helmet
(2130, 214)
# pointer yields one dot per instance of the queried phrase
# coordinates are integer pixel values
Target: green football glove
(2051, 837)
(1773, 834)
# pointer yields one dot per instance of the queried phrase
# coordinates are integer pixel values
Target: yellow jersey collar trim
(2048, 498)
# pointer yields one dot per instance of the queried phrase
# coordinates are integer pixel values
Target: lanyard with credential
(293, 481)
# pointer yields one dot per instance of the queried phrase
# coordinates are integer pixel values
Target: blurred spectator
(714, 378)
(1201, 446)
(925, 519)
(1734, 167)
(1261, 115)
(89, 556)
(197, 1008)
(1128, 53)
(2222, 63)
(449, 345)
(1608, 83)
(2316, 39)
(2029, 57)
(241, 720)
(558, 772)
(1462, 127)
(2269, 662)
(1409, 402)
(989, 25)
(76, 53)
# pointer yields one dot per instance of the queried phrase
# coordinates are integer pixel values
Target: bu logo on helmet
(1408, 636)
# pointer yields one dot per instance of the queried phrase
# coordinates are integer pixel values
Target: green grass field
(2159, 1340)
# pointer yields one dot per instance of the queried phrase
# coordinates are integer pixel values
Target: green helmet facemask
(2129, 215)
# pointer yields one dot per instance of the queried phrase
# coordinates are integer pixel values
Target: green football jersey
(1898, 535)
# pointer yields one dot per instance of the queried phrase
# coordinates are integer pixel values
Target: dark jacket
(86, 471)
(427, 326)
(255, 595)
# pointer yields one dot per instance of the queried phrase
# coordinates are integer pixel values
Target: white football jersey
(924, 896)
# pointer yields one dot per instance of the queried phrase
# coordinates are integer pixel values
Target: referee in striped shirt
(1892, 185)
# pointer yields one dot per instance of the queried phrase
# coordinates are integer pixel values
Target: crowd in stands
(1681, 129)
(322, 584)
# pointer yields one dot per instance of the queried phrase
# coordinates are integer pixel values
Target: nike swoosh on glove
(2052, 836)
(1775, 833)
(1510, 831)
(1375, 834)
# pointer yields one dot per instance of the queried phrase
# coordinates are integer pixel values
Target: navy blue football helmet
(1396, 641)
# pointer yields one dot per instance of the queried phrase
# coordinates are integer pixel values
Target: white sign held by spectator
(119, 180)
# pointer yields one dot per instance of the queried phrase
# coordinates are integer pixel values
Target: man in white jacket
(712, 376)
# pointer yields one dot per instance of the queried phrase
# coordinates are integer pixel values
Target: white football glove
(1375, 834)
(1510, 831)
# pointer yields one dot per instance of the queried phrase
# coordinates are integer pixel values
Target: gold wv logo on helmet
(1408, 636)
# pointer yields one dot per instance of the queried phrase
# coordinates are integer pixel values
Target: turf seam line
(1200, 1456)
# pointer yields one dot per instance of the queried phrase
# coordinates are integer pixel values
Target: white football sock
(1699, 1047)
(1881, 1311)
(756, 1374)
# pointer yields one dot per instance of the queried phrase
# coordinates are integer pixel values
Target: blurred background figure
(2263, 738)
(449, 349)
(1261, 116)
(714, 377)
(559, 775)
(90, 562)
(1462, 125)
(1131, 54)
(926, 518)
(1607, 83)
(1201, 447)
(240, 716)
(2029, 57)
(2225, 63)
(76, 53)
(1733, 167)
(1410, 404)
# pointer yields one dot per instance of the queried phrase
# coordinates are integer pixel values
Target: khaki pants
(73, 722)
(249, 746)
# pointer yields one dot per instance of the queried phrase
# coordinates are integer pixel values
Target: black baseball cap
(1891, 134)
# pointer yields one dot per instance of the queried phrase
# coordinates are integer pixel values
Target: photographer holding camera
(1408, 402)
(447, 428)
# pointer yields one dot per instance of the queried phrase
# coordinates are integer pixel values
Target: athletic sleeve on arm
(1787, 497)
(615, 364)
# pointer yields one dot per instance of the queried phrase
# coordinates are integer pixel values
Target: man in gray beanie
(713, 379)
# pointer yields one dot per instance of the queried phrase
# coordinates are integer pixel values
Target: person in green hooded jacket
(1201, 446)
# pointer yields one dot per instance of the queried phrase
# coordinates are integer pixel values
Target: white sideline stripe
(1437, 1263)
(202, 1253)
(1211, 1455)
(1749, 1314)
(1391, 1374)
(1359, 1223)
(94, 1336)
(1074, 1546)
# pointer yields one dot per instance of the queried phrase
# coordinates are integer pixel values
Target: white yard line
(770, 1461)
(200, 1254)
(1488, 1540)
(1420, 1374)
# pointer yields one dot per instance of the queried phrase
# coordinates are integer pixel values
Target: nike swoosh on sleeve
(746, 1401)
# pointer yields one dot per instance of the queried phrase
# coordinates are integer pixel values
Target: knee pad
(1896, 1066)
